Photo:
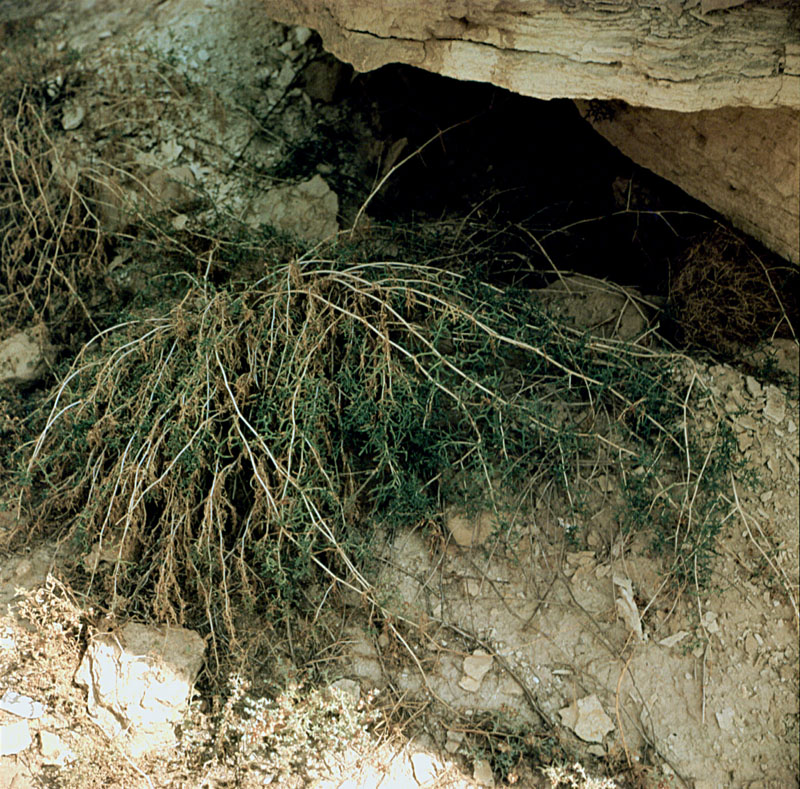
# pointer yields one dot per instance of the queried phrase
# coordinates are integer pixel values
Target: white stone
(22, 706)
(301, 35)
(626, 606)
(72, 117)
(753, 387)
(482, 773)
(478, 664)
(775, 408)
(469, 684)
(179, 222)
(725, 719)
(674, 639)
(170, 150)
(454, 740)
(710, 623)
(22, 356)
(138, 681)
(349, 687)
(587, 719)
(54, 751)
(14, 738)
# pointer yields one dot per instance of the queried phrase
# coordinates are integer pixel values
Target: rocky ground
(554, 642)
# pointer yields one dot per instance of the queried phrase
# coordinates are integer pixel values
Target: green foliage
(506, 742)
(685, 521)
(248, 443)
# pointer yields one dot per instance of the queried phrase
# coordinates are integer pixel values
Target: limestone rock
(349, 687)
(741, 161)
(674, 639)
(476, 666)
(23, 356)
(454, 740)
(627, 608)
(172, 188)
(54, 752)
(138, 682)
(72, 116)
(775, 409)
(747, 56)
(482, 773)
(307, 210)
(14, 738)
(743, 62)
(21, 706)
(587, 719)
(725, 719)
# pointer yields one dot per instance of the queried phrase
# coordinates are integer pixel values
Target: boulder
(307, 210)
(596, 306)
(138, 681)
(173, 188)
(23, 356)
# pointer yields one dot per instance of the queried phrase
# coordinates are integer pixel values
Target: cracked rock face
(717, 114)
(550, 50)
(138, 682)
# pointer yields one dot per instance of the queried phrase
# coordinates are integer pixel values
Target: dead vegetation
(52, 252)
(728, 298)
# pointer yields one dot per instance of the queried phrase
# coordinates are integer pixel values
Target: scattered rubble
(556, 634)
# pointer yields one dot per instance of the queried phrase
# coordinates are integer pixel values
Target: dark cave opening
(561, 195)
